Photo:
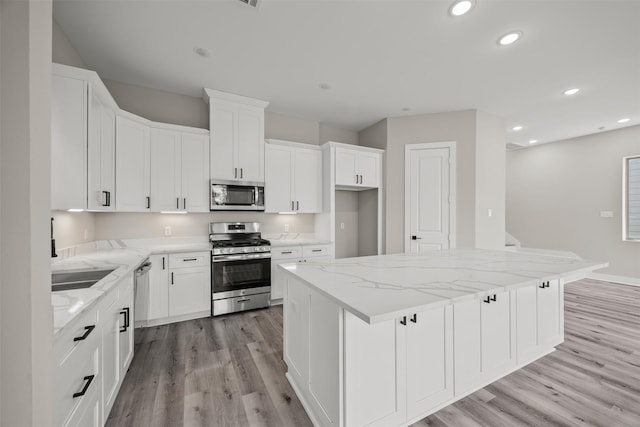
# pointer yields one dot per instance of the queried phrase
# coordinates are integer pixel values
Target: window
(631, 199)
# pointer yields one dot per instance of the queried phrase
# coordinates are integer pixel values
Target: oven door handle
(239, 257)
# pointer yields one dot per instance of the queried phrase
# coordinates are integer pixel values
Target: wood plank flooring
(228, 371)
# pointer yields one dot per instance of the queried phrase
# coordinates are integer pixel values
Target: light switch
(167, 230)
(286, 228)
(606, 214)
(342, 226)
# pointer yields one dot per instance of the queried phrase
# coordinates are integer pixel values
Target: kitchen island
(387, 340)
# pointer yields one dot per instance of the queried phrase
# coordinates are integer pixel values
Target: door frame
(408, 149)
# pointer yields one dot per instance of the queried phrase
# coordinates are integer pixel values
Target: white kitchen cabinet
(293, 178)
(111, 320)
(237, 137)
(125, 303)
(283, 255)
(179, 171)
(158, 303)
(539, 323)
(68, 143)
(483, 340)
(82, 140)
(189, 283)
(357, 168)
(101, 155)
(133, 163)
(397, 369)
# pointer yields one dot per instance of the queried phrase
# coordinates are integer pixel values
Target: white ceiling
(379, 57)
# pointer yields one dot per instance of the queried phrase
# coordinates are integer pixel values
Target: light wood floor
(228, 371)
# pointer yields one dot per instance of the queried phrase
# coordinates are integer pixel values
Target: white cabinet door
(346, 167)
(429, 357)
(375, 372)
(368, 169)
(68, 143)
(496, 334)
(189, 290)
(223, 136)
(550, 322)
(526, 323)
(125, 303)
(278, 179)
(307, 184)
(158, 304)
(250, 144)
(165, 170)
(132, 166)
(297, 331)
(100, 155)
(195, 172)
(467, 344)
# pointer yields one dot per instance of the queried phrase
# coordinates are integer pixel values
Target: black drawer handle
(316, 250)
(88, 379)
(286, 252)
(414, 318)
(126, 325)
(87, 331)
(487, 300)
(494, 297)
(190, 259)
(404, 321)
(243, 300)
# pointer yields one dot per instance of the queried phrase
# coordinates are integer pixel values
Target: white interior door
(429, 197)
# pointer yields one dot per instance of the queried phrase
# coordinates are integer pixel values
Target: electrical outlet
(490, 212)
(342, 226)
(167, 230)
(286, 228)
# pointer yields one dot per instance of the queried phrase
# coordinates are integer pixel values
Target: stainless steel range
(240, 267)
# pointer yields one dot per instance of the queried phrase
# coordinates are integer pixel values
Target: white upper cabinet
(357, 168)
(82, 141)
(237, 137)
(293, 178)
(68, 143)
(133, 185)
(179, 171)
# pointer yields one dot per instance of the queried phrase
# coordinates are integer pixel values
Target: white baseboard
(633, 281)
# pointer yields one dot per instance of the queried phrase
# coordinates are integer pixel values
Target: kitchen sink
(77, 279)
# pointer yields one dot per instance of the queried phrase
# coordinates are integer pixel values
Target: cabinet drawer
(294, 252)
(315, 251)
(77, 374)
(76, 336)
(189, 259)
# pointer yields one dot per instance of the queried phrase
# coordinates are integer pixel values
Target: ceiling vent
(512, 146)
(252, 3)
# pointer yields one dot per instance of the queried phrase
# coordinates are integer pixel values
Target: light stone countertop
(294, 239)
(378, 288)
(121, 255)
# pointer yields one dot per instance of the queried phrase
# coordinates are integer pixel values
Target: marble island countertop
(382, 287)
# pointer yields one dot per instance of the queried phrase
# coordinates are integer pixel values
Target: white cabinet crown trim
(208, 94)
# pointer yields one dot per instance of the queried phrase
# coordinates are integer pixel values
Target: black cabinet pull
(87, 331)
(316, 250)
(487, 300)
(126, 325)
(416, 238)
(190, 259)
(494, 297)
(172, 277)
(414, 318)
(286, 252)
(240, 173)
(297, 206)
(89, 380)
(404, 321)
(235, 172)
(163, 263)
(177, 202)
(548, 284)
(108, 198)
(148, 202)
(106, 202)
(542, 286)
(292, 205)
(184, 203)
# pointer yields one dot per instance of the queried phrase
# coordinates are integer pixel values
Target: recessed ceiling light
(517, 128)
(509, 38)
(533, 141)
(461, 7)
(571, 91)
(202, 52)
(625, 120)
(324, 86)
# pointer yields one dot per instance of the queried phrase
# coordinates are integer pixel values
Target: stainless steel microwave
(234, 196)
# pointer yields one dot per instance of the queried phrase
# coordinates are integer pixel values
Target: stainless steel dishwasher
(141, 291)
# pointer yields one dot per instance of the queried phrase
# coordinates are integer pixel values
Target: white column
(25, 131)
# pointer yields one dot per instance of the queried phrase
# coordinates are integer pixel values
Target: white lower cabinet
(179, 289)
(482, 341)
(539, 322)
(283, 255)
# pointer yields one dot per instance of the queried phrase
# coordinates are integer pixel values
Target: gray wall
(347, 214)
(555, 193)
(25, 133)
